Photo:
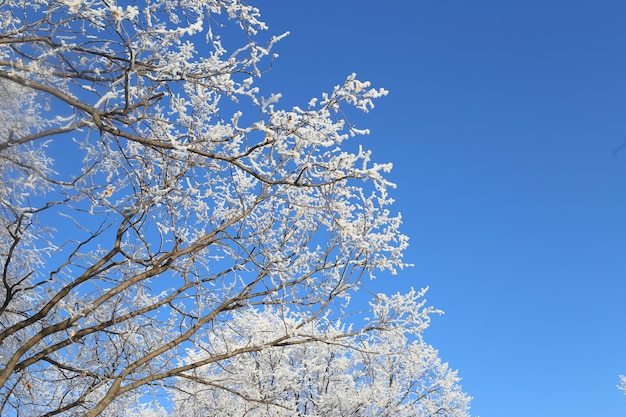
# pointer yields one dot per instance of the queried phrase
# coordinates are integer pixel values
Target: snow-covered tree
(380, 373)
(152, 196)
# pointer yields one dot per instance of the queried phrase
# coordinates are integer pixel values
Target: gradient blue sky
(502, 121)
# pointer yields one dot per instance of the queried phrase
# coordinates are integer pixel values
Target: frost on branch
(181, 198)
(380, 373)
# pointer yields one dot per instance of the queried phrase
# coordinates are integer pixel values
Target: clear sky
(502, 122)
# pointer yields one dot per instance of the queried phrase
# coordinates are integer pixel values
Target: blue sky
(502, 121)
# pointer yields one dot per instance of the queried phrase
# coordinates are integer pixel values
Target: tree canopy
(195, 232)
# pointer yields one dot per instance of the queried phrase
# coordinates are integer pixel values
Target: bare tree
(183, 196)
